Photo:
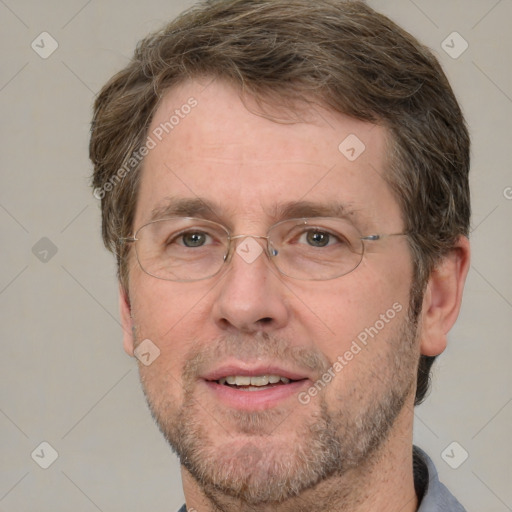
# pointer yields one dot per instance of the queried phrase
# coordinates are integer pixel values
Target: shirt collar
(432, 494)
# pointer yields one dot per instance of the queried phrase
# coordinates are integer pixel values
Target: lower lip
(255, 400)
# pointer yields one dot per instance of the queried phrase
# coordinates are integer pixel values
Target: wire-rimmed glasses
(191, 249)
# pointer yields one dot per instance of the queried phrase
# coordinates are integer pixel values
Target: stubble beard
(256, 468)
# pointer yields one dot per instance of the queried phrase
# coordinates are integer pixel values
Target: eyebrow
(206, 209)
(300, 209)
(184, 207)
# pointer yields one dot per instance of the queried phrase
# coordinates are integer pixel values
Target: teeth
(257, 380)
(263, 380)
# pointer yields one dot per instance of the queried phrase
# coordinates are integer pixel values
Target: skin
(247, 165)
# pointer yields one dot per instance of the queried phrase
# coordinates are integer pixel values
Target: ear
(126, 321)
(443, 297)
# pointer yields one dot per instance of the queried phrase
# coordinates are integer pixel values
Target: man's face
(267, 443)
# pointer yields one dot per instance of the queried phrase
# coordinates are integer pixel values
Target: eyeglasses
(188, 249)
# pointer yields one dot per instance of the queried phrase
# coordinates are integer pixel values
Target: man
(285, 186)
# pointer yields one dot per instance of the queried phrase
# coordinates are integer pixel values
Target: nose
(251, 296)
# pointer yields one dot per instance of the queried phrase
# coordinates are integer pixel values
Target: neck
(383, 482)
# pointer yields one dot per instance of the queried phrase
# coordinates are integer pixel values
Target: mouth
(254, 383)
(254, 388)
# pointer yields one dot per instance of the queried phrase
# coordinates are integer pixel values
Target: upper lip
(252, 371)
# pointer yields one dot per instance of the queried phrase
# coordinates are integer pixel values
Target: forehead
(206, 143)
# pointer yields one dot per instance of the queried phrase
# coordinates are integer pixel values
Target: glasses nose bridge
(235, 237)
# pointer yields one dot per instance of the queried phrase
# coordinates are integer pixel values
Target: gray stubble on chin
(260, 470)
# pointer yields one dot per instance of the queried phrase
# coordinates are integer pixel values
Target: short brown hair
(342, 54)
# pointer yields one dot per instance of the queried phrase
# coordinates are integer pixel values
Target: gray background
(65, 378)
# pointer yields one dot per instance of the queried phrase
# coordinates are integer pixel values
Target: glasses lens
(316, 249)
(181, 249)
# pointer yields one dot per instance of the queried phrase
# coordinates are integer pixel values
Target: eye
(190, 239)
(194, 239)
(318, 238)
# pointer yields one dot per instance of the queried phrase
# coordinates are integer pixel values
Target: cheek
(342, 310)
(171, 315)
(379, 357)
